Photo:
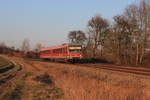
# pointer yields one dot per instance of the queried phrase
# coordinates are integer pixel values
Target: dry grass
(81, 83)
(71, 82)
(3, 62)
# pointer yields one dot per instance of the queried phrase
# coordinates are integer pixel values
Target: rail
(138, 70)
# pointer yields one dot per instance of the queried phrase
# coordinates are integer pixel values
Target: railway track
(133, 70)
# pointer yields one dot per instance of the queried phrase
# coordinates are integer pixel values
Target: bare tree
(140, 14)
(77, 37)
(98, 28)
(26, 45)
(38, 47)
(121, 39)
(130, 34)
(3, 47)
(127, 39)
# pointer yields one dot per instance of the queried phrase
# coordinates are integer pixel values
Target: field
(3, 62)
(58, 81)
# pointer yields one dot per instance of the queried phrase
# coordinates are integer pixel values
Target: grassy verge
(3, 62)
(14, 94)
(5, 65)
(46, 89)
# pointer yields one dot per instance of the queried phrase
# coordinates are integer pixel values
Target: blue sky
(49, 21)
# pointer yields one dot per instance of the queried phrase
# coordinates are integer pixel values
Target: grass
(14, 94)
(27, 74)
(46, 90)
(81, 83)
(44, 78)
(42, 92)
(5, 65)
(55, 81)
(3, 62)
(55, 93)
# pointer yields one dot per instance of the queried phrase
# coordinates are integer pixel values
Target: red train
(67, 52)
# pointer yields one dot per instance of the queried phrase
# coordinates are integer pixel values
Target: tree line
(125, 41)
(24, 51)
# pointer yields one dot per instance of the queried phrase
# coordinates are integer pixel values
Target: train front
(75, 52)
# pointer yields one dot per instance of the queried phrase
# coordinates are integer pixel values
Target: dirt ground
(57, 81)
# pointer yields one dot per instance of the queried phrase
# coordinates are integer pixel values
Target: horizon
(49, 22)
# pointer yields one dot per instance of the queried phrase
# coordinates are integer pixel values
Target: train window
(58, 50)
(46, 52)
(43, 52)
(54, 51)
(75, 50)
(65, 50)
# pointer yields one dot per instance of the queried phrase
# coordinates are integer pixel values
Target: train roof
(61, 46)
(54, 47)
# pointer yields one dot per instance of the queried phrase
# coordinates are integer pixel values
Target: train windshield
(75, 49)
